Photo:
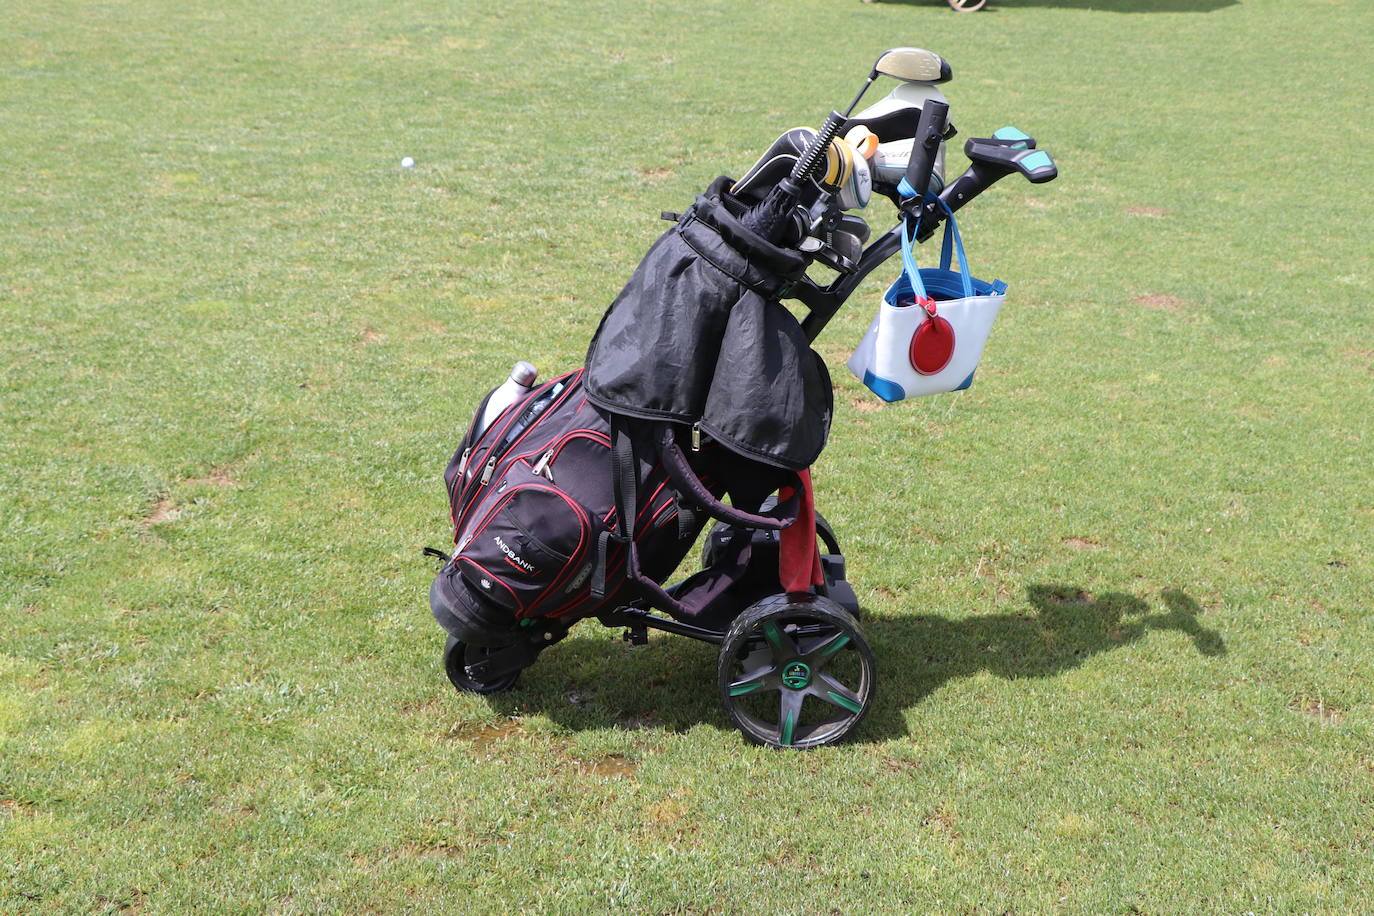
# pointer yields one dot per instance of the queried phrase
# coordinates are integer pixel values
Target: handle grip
(930, 130)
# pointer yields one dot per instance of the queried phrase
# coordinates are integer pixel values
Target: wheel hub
(796, 675)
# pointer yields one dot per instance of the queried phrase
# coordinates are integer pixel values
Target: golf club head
(913, 65)
(855, 225)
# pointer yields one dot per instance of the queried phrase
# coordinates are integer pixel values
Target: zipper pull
(542, 467)
(463, 462)
(486, 471)
(696, 437)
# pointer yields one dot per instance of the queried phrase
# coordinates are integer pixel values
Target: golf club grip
(809, 160)
(930, 127)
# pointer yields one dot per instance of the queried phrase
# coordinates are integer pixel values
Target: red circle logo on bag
(932, 345)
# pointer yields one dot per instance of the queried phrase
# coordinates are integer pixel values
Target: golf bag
(588, 492)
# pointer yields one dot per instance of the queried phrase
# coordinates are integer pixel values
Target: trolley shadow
(1063, 627)
(580, 685)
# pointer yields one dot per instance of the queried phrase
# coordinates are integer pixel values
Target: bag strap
(946, 252)
(909, 267)
(681, 475)
(623, 479)
(685, 479)
(952, 232)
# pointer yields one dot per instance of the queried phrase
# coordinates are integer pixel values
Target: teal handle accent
(1011, 133)
(1038, 160)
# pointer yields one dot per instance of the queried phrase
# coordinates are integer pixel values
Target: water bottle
(521, 381)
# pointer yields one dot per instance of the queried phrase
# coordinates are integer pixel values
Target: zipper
(501, 450)
(463, 462)
(542, 467)
(696, 437)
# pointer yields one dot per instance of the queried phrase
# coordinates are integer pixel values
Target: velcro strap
(686, 520)
(598, 586)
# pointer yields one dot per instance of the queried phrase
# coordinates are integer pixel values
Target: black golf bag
(587, 493)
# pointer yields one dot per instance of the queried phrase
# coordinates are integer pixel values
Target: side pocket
(525, 547)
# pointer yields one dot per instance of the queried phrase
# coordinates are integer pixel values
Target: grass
(1118, 591)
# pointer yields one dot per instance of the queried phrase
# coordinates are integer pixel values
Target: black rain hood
(698, 336)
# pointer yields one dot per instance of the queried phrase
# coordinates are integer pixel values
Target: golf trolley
(630, 466)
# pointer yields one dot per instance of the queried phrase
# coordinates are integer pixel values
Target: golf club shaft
(862, 89)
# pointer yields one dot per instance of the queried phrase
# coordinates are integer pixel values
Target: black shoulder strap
(682, 476)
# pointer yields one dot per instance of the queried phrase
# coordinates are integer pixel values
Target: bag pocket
(475, 465)
(525, 545)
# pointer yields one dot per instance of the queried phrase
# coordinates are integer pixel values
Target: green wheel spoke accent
(776, 639)
(789, 716)
(827, 649)
(844, 701)
(833, 692)
(836, 644)
(740, 688)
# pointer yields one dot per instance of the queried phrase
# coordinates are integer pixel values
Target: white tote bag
(931, 326)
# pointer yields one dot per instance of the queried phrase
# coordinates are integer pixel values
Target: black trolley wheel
(795, 671)
(458, 654)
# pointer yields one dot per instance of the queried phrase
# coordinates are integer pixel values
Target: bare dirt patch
(864, 404)
(1082, 543)
(1159, 301)
(371, 336)
(1322, 711)
(164, 510)
(1360, 357)
(942, 821)
(15, 808)
(219, 477)
(656, 174)
(482, 735)
(612, 765)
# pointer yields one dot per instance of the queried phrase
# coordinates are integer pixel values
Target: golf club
(910, 65)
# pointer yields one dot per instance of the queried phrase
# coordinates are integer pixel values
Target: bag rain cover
(698, 336)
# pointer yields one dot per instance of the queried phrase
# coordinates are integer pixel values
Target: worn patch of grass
(1118, 591)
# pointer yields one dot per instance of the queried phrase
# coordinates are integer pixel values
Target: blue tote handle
(952, 231)
(909, 262)
(946, 253)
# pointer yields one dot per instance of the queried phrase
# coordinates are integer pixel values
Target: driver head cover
(904, 95)
(893, 118)
(775, 164)
(847, 175)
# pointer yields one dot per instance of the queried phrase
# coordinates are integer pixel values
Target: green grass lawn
(1119, 591)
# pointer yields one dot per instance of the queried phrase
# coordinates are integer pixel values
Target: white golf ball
(407, 162)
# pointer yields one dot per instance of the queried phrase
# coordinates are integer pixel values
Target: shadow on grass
(1063, 627)
(1105, 6)
(592, 683)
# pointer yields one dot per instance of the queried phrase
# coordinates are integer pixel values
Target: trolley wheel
(967, 6)
(795, 671)
(458, 654)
